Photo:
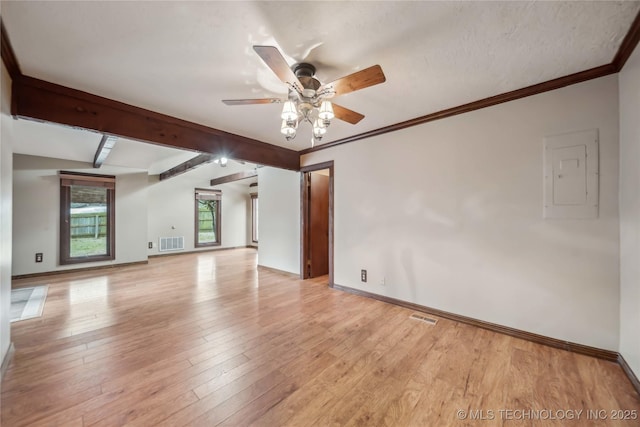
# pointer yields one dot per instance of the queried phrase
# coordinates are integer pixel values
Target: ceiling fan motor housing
(303, 69)
(305, 73)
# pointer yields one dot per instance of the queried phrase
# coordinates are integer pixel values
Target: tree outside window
(207, 217)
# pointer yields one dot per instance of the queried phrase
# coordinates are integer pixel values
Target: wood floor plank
(400, 408)
(167, 401)
(304, 400)
(216, 407)
(208, 339)
(392, 389)
(259, 406)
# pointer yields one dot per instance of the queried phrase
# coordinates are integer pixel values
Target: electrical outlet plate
(363, 275)
(150, 245)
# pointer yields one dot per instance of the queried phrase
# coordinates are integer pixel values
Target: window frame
(217, 195)
(254, 218)
(67, 180)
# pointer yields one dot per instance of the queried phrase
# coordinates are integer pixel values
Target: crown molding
(549, 85)
(625, 50)
(7, 53)
(628, 44)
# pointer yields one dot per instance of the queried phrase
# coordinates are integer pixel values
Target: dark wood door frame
(304, 210)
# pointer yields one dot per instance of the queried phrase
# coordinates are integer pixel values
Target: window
(87, 217)
(254, 217)
(208, 218)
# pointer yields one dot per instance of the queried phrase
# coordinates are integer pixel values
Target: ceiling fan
(308, 98)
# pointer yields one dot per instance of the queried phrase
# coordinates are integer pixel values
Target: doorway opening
(316, 221)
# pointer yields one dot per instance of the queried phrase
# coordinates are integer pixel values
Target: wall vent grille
(171, 244)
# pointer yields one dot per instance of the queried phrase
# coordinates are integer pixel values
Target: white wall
(36, 207)
(279, 219)
(449, 213)
(630, 212)
(171, 206)
(6, 162)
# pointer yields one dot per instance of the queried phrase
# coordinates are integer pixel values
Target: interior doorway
(317, 221)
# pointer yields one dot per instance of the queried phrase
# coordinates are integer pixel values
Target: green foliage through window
(207, 218)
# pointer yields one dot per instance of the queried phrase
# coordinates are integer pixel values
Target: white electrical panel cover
(571, 175)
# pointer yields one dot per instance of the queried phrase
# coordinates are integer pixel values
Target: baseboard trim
(77, 270)
(283, 272)
(611, 356)
(7, 360)
(516, 333)
(123, 264)
(202, 250)
(630, 374)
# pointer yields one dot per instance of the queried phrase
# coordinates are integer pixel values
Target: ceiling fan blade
(346, 115)
(274, 60)
(359, 80)
(253, 101)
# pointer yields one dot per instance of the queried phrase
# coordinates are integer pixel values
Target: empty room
(314, 213)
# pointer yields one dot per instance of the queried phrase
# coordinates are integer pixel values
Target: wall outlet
(383, 281)
(150, 245)
(38, 256)
(363, 275)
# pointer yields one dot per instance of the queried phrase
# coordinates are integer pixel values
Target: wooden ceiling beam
(193, 163)
(234, 177)
(44, 101)
(104, 148)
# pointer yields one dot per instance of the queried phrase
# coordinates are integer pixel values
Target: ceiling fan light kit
(222, 161)
(308, 99)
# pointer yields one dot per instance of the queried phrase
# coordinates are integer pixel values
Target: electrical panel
(571, 175)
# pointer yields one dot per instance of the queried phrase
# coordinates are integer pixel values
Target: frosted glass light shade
(326, 111)
(289, 112)
(287, 130)
(319, 128)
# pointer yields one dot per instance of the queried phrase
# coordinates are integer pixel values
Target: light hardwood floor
(207, 339)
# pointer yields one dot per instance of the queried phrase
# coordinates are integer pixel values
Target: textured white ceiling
(183, 58)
